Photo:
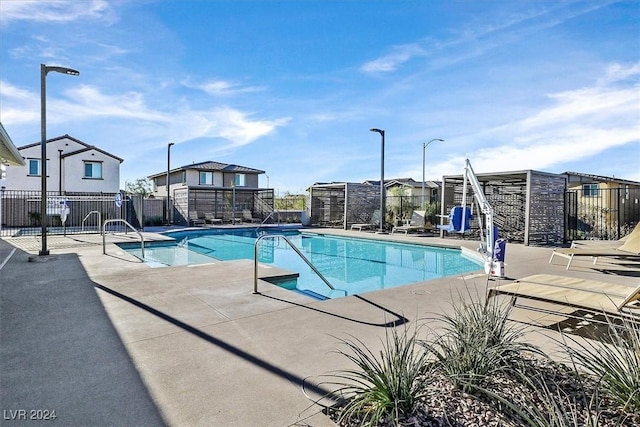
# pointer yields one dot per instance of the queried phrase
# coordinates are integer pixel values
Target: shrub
(477, 341)
(614, 360)
(387, 387)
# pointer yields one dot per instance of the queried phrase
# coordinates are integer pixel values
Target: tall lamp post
(424, 151)
(44, 70)
(382, 209)
(168, 192)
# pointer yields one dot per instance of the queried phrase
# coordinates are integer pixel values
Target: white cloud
(53, 10)
(473, 41)
(222, 87)
(85, 103)
(391, 61)
(580, 124)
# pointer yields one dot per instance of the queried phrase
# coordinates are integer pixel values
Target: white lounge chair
(590, 295)
(630, 250)
(375, 222)
(416, 223)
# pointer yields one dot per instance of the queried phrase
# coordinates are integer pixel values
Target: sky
(294, 87)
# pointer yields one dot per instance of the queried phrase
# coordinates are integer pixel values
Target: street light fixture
(168, 193)
(382, 209)
(44, 70)
(424, 150)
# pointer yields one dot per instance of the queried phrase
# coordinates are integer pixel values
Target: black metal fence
(21, 212)
(602, 214)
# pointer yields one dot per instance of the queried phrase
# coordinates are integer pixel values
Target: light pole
(424, 151)
(44, 70)
(382, 209)
(168, 192)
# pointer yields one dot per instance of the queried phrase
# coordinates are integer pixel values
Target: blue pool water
(351, 265)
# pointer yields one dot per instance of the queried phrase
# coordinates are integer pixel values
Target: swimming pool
(351, 265)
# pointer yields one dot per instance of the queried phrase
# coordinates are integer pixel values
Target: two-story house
(213, 190)
(601, 206)
(73, 166)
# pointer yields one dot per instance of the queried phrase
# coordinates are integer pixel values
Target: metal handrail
(304, 258)
(88, 215)
(104, 227)
(265, 220)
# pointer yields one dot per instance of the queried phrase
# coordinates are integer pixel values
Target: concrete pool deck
(106, 340)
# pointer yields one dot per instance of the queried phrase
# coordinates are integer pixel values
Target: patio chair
(247, 216)
(210, 218)
(630, 250)
(581, 294)
(606, 243)
(229, 217)
(375, 222)
(416, 223)
(455, 220)
(196, 220)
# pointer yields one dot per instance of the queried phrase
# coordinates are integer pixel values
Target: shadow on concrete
(235, 351)
(400, 320)
(60, 355)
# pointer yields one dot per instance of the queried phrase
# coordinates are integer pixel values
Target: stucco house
(217, 190)
(601, 206)
(73, 166)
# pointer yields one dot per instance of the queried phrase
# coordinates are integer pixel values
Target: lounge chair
(589, 295)
(210, 218)
(630, 250)
(375, 222)
(606, 243)
(229, 217)
(246, 216)
(416, 223)
(196, 220)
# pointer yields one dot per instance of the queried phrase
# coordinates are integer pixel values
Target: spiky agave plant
(544, 403)
(383, 387)
(478, 341)
(613, 359)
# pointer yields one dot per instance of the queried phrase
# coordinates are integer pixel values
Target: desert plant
(387, 387)
(477, 341)
(553, 396)
(613, 358)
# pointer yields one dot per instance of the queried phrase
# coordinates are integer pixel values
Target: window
(34, 167)
(93, 170)
(239, 180)
(206, 178)
(590, 190)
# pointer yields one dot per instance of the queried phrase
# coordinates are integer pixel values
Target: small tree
(140, 186)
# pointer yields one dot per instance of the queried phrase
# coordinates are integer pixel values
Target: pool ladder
(104, 232)
(304, 258)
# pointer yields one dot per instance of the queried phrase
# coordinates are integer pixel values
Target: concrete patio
(106, 340)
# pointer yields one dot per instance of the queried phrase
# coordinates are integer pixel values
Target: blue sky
(293, 87)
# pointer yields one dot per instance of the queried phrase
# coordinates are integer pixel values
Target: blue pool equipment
(455, 220)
